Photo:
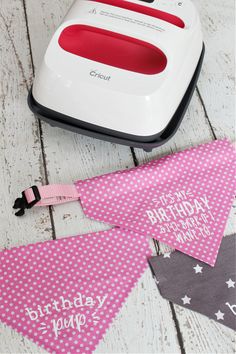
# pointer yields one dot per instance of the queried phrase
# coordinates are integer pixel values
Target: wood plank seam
(177, 326)
(15, 52)
(205, 113)
(39, 125)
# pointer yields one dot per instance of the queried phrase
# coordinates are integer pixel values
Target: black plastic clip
(22, 203)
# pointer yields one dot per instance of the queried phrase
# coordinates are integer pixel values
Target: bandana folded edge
(53, 194)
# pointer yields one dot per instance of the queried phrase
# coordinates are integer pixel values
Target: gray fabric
(197, 286)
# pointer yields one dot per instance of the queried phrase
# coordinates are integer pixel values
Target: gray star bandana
(197, 286)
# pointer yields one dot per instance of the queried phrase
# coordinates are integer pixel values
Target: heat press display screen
(146, 10)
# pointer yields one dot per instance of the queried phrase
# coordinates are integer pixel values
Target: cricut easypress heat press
(121, 71)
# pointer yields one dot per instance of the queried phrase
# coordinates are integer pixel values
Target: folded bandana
(199, 287)
(64, 294)
(183, 199)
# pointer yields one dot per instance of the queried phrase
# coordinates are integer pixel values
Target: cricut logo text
(94, 73)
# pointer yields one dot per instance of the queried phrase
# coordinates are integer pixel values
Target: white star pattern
(219, 315)
(166, 255)
(230, 283)
(186, 300)
(198, 269)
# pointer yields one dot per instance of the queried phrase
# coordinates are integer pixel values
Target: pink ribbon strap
(46, 195)
(53, 194)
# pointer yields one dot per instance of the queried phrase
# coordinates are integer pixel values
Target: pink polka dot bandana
(64, 294)
(182, 199)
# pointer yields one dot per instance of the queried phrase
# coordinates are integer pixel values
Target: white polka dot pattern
(64, 294)
(182, 199)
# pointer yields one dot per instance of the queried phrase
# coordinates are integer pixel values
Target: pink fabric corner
(64, 294)
(183, 199)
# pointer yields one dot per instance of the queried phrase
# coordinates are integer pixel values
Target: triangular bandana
(64, 294)
(197, 286)
(182, 199)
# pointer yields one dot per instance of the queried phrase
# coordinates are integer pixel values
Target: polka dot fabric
(182, 199)
(64, 294)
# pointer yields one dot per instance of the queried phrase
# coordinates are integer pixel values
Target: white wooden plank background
(33, 152)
